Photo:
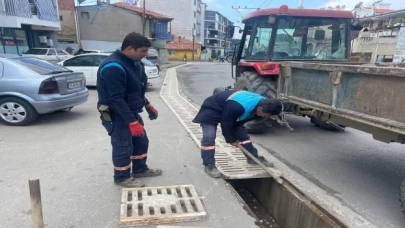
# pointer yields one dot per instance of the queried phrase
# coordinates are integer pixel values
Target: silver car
(30, 86)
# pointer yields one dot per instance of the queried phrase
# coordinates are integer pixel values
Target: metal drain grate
(230, 161)
(160, 205)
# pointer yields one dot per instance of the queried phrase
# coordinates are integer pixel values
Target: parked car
(49, 54)
(153, 56)
(89, 63)
(86, 51)
(31, 86)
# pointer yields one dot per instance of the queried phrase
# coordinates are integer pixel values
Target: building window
(195, 2)
(172, 53)
(195, 15)
(85, 15)
(61, 18)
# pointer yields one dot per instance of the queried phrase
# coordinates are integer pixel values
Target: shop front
(20, 40)
(13, 41)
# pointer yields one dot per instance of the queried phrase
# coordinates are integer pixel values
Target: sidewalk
(71, 155)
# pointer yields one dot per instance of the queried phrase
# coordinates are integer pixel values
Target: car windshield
(36, 51)
(318, 39)
(147, 62)
(40, 66)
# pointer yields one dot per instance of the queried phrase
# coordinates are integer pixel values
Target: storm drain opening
(277, 205)
(160, 205)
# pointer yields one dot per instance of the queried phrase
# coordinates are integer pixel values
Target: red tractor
(274, 35)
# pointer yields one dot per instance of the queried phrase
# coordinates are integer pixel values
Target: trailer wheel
(253, 82)
(402, 195)
(326, 126)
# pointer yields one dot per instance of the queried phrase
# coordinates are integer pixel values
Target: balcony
(17, 13)
(162, 36)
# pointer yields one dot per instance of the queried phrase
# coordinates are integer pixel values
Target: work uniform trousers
(208, 142)
(126, 148)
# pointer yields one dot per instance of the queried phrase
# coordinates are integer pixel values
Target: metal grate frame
(160, 205)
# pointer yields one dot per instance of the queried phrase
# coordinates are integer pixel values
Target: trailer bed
(366, 97)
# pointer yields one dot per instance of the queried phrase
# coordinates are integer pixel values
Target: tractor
(271, 36)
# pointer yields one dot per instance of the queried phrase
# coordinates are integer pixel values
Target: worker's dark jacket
(231, 109)
(121, 85)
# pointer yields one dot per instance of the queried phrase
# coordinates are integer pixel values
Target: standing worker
(232, 109)
(121, 85)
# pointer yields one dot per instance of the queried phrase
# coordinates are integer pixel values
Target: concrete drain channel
(272, 204)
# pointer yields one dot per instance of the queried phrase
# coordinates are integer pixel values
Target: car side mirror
(230, 29)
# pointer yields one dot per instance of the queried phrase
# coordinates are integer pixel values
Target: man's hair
(271, 106)
(135, 40)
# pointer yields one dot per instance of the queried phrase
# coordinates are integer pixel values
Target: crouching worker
(231, 109)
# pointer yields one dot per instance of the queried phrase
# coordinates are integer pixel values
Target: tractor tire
(402, 195)
(217, 90)
(253, 82)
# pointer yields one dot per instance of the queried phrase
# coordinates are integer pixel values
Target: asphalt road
(363, 173)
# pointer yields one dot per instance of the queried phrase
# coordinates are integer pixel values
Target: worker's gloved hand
(136, 128)
(153, 113)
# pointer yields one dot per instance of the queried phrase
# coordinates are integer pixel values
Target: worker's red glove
(153, 113)
(136, 128)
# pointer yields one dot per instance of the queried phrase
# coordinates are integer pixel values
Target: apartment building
(215, 32)
(380, 36)
(186, 14)
(25, 24)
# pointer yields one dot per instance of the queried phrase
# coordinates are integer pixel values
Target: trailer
(302, 57)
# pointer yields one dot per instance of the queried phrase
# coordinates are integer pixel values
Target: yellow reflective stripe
(137, 157)
(245, 142)
(207, 147)
(122, 168)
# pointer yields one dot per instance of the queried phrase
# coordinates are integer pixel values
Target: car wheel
(16, 112)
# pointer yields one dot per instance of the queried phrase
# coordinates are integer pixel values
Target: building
(379, 35)
(186, 14)
(67, 34)
(215, 40)
(378, 7)
(181, 48)
(25, 24)
(104, 26)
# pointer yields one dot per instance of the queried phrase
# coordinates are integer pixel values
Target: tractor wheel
(402, 195)
(253, 82)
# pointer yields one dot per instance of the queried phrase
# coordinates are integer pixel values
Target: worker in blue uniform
(121, 85)
(231, 109)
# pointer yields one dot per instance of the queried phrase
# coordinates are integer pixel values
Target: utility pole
(143, 18)
(300, 4)
(193, 46)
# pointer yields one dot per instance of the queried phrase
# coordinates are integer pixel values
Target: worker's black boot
(212, 171)
(130, 183)
(262, 160)
(148, 173)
